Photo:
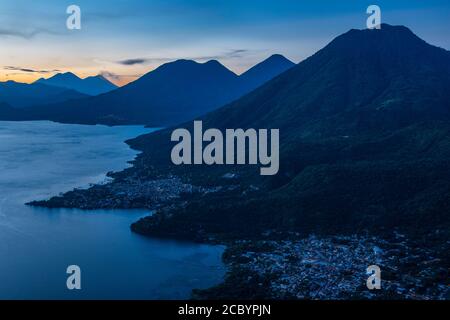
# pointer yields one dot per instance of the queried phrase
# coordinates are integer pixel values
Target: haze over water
(41, 159)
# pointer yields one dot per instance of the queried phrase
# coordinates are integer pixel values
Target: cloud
(110, 75)
(132, 62)
(115, 76)
(25, 34)
(11, 68)
(235, 53)
(119, 79)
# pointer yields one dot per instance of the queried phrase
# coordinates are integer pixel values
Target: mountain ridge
(364, 139)
(364, 151)
(93, 85)
(266, 70)
(24, 95)
(174, 92)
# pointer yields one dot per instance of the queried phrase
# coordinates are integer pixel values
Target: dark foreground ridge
(364, 153)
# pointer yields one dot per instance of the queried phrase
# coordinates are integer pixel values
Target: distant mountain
(23, 95)
(174, 92)
(364, 145)
(265, 71)
(91, 85)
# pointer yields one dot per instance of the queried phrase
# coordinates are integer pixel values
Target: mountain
(364, 144)
(23, 95)
(90, 86)
(174, 92)
(265, 71)
(363, 80)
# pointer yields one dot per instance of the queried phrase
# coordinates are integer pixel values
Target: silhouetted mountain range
(92, 86)
(364, 146)
(23, 95)
(265, 71)
(174, 92)
(365, 142)
(362, 81)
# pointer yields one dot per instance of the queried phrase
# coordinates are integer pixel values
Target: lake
(41, 159)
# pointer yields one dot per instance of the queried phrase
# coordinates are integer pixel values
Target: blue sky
(125, 39)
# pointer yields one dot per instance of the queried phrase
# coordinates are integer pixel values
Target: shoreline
(45, 168)
(248, 257)
(294, 266)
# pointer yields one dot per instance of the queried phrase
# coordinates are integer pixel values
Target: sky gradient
(126, 39)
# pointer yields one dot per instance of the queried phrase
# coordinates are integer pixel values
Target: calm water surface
(41, 159)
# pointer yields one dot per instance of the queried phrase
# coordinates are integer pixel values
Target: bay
(41, 159)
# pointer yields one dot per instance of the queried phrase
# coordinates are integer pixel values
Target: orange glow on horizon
(32, 77)
(117, 77)
(123, 81)
(22, 77)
